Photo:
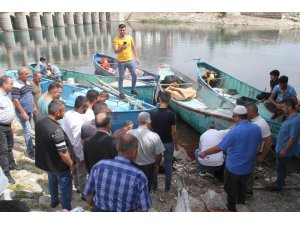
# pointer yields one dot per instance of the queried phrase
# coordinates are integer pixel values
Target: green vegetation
(222, 14)
(163, 21)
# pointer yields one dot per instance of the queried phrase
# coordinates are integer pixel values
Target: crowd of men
(116, 171)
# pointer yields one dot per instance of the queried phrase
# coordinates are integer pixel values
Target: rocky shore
(216, 18)
(205, 193)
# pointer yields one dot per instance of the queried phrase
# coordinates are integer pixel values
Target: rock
(242, 208)
(45, 201)
(213, 200)
(197, 205)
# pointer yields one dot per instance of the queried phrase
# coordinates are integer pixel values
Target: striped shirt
(22, 92)
(118, 186)
(59, 139)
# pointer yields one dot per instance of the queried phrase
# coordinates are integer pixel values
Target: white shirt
(89, 115)
(7, 110)
(72, 123)
(264, 128)
(150, 145)
(208, 139)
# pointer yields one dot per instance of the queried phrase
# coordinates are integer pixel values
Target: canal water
(247, 52)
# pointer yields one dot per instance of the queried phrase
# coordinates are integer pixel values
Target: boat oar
(116, 92)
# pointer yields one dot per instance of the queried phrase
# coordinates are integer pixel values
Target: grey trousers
(81, 176)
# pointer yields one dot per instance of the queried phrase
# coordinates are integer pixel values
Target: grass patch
(162, 21)
(20, 193)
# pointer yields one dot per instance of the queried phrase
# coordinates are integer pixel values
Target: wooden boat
(206, 109)
(238, 92)
(146, 89)
(121, 110)
(142, 75)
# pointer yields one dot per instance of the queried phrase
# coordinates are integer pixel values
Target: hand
(35, 111)
(73, 169)
(176, 147)
(282, 154)
(156, 167)
(137, 61)
(25, 116)
(124, 46)
(202, 155)
(260, 158)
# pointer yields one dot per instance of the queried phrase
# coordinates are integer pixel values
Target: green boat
(236, 92)
(145, 89)
(206, 109)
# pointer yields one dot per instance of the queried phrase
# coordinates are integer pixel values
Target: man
(286, 142)
(88, 128)
(101, 145)
(213, 162)
(54, 72)
(92, 96)
(54, 92)
(123, 46)
(255, 118)
(129, 184)
(36, 89)
(41, 66)
(164, 124)
(274, 74)
(25, 106)
(7, 113)
(280, 92)
(241, 145)
(73, 121)
(127, 125)
(150, 147)
(53, 154)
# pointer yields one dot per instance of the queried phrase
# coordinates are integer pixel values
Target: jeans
(122, 66)
(64, 181)
(168, 161)
(81, 176)
(6, 146)
(281, 164)
(27, 127)
(235, 187)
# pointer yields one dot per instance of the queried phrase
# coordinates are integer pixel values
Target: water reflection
(244, 51)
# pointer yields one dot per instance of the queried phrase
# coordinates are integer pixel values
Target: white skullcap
(240, 110)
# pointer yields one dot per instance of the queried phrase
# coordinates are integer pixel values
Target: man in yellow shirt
(123, 47)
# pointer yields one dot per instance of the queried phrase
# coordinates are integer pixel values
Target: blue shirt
(241, 145)
(23, 92)
(290, 128)
(118, 186)
(281, 95)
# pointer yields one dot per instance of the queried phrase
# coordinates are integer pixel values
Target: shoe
(54, 204)
(13, 166)
(206, 174)
(249, 192)
(11, 180)
(77, 191)
(122, 96)
(134, 92)
(272, 188)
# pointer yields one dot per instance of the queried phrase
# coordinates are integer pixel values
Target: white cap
(240, 110)
(144, 117)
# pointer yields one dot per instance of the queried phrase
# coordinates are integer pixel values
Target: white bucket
(70, 81)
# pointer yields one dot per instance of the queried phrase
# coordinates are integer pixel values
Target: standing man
(123, 46)
(241, 145)
(255, 118)
(101, 145)
(150, 147)
(7, 113)
(36, 89)
(53, 154)
(25, 106)
(54, 92)
(92, 96)
(73, 121)
(286, 142)
(164, 124)
(116, 185)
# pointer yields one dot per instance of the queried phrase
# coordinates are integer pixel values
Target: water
(248, 53)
